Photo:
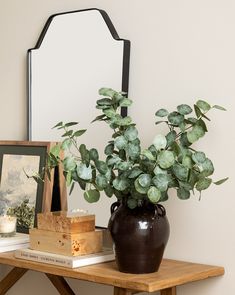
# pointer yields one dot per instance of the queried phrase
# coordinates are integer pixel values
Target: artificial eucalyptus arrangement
(133, 174)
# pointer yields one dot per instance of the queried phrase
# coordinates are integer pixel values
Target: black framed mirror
(77, 53)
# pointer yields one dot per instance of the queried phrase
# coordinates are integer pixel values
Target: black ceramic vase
(140, 236)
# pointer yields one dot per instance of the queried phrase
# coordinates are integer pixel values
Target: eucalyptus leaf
(159, 142)
(101, 181)
(104, 101)
(197, 111)
(84, 153)
(184, 140)
(132, 203)
(196, 133)
(175, 118)
(207, 168)
(67, 133)
(171, 137)
(182, 127)
(124, 121)
(186, 185)
(183, 194)
(109, 149)
(193, 178)
(161, 113)
(69, 124)
(131, 133)
(145, 180)
(123, 166)
(69, 163)
(113, 160)
(203, 105)
(157, 170)
(191, 120)
(203, 184)
(101, 167)
(55, 150)
(93, 153)
(181, 172)
(110, 113)
(120, 184)
(199, 157)
(109, 191)
(164, 197)
(154, 194)
(133, 150)
(184, 109)
(221, 181)
(84, 172)
(107, 92)
(92, 195)
(120, 142)
(219, 107)
(148, 155)
(98, 118)
(125, 102)
(66, 144)
(79, 132)
(140, 189)
(60, 124)
(166, 159)
(68, 178)
(71, 188)
(187, 161)
(201, 123)
(135, 171)
(161, 182)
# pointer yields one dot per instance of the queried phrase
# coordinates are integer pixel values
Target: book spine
(43, 258)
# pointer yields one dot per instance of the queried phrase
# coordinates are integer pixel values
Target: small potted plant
(139, 178)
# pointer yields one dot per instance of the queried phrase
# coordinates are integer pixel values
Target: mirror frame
(125, 63)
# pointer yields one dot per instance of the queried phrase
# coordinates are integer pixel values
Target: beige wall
(181, 51)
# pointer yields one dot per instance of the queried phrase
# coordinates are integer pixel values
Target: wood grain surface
(172, 273)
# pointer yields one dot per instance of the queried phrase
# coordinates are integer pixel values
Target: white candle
(7, 224)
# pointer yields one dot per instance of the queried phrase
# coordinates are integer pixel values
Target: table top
(172, 273)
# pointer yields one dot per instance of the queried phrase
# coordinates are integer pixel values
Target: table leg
(168, 291)
(60, 284)
(11, 278)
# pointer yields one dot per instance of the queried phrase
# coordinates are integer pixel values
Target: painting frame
(12, 156)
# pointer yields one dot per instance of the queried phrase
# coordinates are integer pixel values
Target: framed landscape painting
(20, 194)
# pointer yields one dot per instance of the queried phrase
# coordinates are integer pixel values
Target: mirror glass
(77, 53)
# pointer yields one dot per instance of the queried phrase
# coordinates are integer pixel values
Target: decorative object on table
(19, 194)
(7, 225)
(139, 178)
(66, 261)
(66, 222)
(64, 233)
(18, 241)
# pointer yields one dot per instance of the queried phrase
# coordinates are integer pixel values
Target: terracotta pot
(140, 236)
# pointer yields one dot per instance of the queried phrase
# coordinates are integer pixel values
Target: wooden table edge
(142, 287)
(218, 271)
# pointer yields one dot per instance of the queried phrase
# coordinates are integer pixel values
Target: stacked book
(18, 241)
(66, 239)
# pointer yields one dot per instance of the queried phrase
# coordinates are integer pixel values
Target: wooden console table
(172, 273)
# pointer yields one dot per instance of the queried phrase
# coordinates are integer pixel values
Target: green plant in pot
(139, 178)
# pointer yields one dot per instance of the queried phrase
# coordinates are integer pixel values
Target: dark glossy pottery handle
(160, 210)
(114, 206)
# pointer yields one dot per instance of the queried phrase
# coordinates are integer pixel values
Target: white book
(66, 261)
(18, 238)
(13, 247)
